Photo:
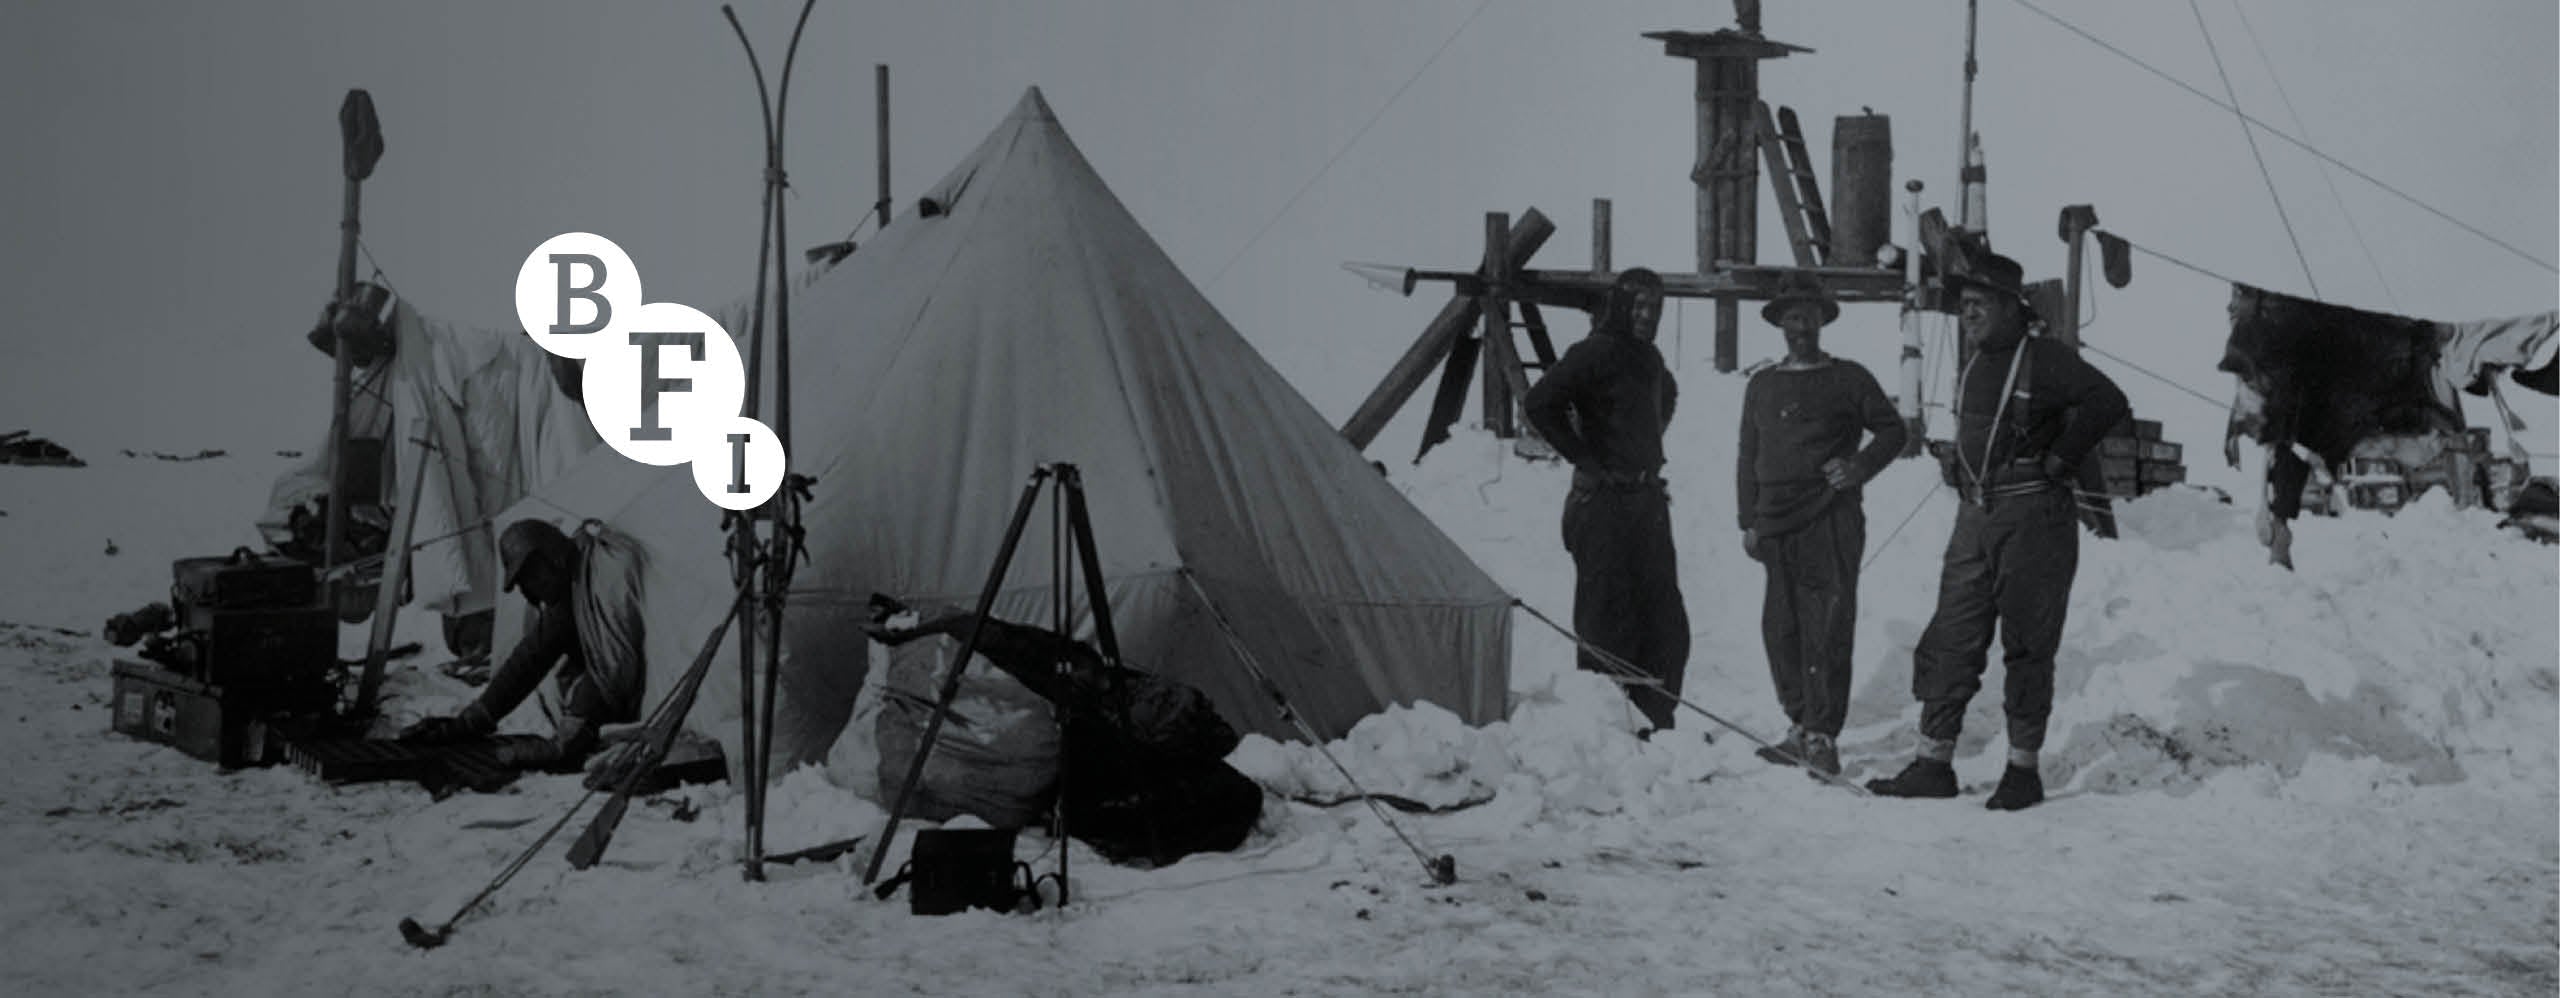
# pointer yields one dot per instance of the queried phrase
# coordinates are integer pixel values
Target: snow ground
(2344, 780)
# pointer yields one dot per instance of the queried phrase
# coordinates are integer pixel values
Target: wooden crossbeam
(1529, 233)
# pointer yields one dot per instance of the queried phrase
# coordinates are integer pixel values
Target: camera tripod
(1069, 526)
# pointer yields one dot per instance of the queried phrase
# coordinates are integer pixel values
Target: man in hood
(1603, 407)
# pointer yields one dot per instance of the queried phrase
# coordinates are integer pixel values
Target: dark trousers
(1809, 615)
(1626, 588)
(2011, 565)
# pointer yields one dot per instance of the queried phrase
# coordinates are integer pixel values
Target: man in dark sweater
(1798, 479)
(2027, 412)
(1603, 407)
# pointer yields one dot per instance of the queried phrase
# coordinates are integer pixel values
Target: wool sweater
(1796, 420)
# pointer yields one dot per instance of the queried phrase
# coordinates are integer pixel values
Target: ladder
(1791, 177)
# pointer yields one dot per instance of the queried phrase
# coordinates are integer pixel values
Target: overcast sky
(171, 192)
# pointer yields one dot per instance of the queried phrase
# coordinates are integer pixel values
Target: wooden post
(1527, 235)
(1600, 236)
(880, 81)
(1736, 236)
(1704, 173)
(1964, 121)
(334, 530)
(1500, 361)
(1502, 354)
(1727, 175)
(1915, 420)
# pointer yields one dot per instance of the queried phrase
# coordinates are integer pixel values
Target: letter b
(567, 269)
(568, 262)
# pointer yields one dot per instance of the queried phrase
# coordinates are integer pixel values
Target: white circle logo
(663, 382)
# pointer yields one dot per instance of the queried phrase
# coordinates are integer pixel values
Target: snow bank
(2421, 647)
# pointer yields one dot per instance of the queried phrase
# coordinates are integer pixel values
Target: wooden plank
(1529, 233)
(1580, 289)
(1600, 235)
(1494, 314)
(388, 593)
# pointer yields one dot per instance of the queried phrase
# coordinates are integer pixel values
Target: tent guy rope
(1623, 670)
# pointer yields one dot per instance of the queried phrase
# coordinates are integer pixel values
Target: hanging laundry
(2327, 377)
(2526, 346)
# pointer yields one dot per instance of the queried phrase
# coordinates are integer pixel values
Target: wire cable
(2304, 146)
(1346, 146)
(1897, 529)
(2254, 153)
(2156, 376)
(2325, 176)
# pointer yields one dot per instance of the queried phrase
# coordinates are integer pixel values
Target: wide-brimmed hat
(1990, 272)
(1795, 288)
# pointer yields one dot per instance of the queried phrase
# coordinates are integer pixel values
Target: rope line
(2166, 258)
(1897, 528)
(380, 276)
(2156, 376)
(2252, 135)
(2304, 146)
(1346, 146)
(1628, 674)
(2326, 177)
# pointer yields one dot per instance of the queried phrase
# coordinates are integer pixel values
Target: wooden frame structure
(1736, 134)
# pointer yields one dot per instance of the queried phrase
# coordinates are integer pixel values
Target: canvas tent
(1028, 319)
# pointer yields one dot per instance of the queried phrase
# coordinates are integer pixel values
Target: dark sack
(1171, 717)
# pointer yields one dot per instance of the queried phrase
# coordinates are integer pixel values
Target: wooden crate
(2119, 447)
(156, 705)
(2162, 451)
(2146, 429)
(2385, 496)
(2162, 473)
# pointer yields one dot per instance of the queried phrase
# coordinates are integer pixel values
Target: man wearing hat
(2027, 412)
(550, 568)
(1603, 407)
(1797, 481)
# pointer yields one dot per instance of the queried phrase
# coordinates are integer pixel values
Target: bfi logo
(663, 382)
